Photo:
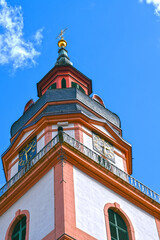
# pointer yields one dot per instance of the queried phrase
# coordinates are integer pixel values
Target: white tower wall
(90, 199)
(39, 201)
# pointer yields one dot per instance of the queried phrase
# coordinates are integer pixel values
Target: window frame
(116, 208)
(114, 225)
(18, 216)
(21, 228)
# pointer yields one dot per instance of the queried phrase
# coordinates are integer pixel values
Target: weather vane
(62, 43)
(61, 34)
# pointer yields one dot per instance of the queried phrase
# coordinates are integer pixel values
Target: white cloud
(14, 48)
(156, 4)
(39, 36)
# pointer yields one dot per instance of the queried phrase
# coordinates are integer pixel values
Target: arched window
(19, 227)
(118, 224)
(118, 227)
(63, 83)
(19, 231)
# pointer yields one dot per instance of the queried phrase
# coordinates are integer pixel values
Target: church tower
(68, 168)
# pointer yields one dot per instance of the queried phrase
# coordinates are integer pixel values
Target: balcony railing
(29, 164)
(111, 167)
(90, 154)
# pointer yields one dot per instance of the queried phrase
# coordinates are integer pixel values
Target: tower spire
(63, 58)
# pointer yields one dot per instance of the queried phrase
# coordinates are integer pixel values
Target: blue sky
(115, 43)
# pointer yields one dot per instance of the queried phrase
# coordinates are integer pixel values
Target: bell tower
(69, 170)
(64, 75)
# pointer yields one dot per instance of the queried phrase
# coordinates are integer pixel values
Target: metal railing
(90, 154)
(111, 167)
(29, 164)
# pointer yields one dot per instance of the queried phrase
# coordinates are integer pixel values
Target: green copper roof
(63, 58)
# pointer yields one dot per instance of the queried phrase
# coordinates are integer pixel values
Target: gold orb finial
(62, 42)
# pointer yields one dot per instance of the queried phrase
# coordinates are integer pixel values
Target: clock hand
(28, 149)
(26, 156)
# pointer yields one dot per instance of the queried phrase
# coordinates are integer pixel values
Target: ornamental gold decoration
(62, 43)
(103, 147)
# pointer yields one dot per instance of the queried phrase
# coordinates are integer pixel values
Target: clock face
(27, 153)
(103, 147)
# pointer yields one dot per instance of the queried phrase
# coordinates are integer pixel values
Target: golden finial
(62, 42)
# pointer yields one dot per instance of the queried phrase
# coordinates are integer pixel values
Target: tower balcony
(64, 141)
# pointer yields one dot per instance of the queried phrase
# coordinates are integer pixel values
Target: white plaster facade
(39, 201)
(69, 132)
(119, 162)
(90, 199)
(40, 134)
(101, 128)
(14, 169)
(14, 159)
(87, 141)
(40, 143)
(25, 136)
(87, 130)
(54, 134)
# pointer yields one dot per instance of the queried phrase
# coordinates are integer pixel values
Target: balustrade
(90, 154)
